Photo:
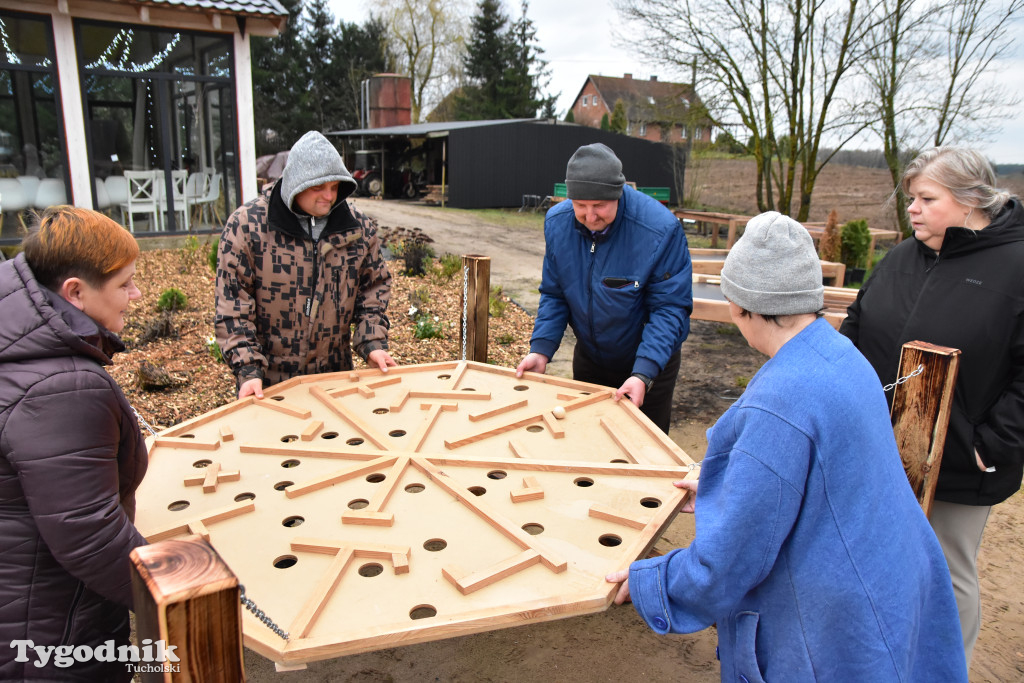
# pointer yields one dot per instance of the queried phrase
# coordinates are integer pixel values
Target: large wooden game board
(364, 510)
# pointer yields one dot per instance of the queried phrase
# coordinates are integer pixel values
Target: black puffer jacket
(969, 296)
(72, 459)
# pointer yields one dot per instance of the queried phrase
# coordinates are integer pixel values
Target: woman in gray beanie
(811, 553)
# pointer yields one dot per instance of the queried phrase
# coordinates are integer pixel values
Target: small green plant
(448, 265)
(506, 338)
(172, 299)
(428, 328)
(214, 349)
(418, 300)
(496, 303)
(189, 253)
(211, 255)
(742, 381)
(856, 242)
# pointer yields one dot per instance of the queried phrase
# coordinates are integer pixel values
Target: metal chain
(465, 299)
(260, 614)
(901, 380)
(143, 422)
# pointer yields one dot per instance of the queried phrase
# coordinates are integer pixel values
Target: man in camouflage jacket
(300, 277)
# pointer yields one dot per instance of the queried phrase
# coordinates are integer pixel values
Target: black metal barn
(492, 164)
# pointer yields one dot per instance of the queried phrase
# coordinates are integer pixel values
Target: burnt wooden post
(187, 597)
(476, 292)
(920, 413)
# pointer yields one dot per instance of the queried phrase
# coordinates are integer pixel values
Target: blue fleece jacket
(811, 552)
(626, 292)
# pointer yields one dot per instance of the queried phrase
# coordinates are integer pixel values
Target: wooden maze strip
(476, 417)
(519, 450)
(531, 491)
(551, 422)
(208, 517)
(301, 489)
(184, 442)
(434, 411)
(311, 430)
(189, 425)
(493, 431)
(468, 583)
(212, 477)
(286, 408)
(667, 444)
(366, 389)
(303, 622)
(343, 412)
(374, 512)
(354, 454)
(524, 540)
(615, 432)
(567, 466)
(610, 514)
(459, 374)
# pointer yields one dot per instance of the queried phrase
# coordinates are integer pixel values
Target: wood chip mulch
(199, 383)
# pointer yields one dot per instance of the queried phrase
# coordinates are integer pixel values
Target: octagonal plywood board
(364, 510)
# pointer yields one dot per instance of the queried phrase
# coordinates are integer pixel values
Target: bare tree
(777, 67)
(927, 76)
(425, 39)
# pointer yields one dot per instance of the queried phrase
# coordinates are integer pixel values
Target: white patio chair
(13, 200)
(195, 189)
(51, 192)
(179, 199)
(211, 199)
(142, 198)
(31, 185)
(117, 190)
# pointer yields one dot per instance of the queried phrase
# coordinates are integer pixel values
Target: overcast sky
(576, 36)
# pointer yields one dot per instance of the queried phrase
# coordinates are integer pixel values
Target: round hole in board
(375, 478)
(288, 464)
(178, 505)
(535, 428)
(610, 540)
(282, 485)
(468, 389)
(354, 441)
(496, 474)
(188, 436)
(422, 612)
(329, 435)
(415, 488)
(619, 461)
(381, 411)
(293, 521)
(245, 496)
(371, 569)
(650, 502)
(396, 432)
(285, 561)
(277, 398)
(521, 387)
(288, 438)
(358, 504)
(435, 544)
(477, 490)
(200, 464)
(533, 528)
(444, 376)
(583, 482)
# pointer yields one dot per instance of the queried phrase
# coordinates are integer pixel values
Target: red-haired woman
(72, 451)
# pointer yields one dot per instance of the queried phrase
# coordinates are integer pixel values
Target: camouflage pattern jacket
(286, 306)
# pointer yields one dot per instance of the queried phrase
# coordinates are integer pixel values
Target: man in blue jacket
(617, 269)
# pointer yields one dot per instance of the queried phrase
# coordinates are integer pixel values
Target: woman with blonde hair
(958, 284)
(72, 451)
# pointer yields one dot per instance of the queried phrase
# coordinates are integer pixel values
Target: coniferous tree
(278, 90)
(502, 67)
(618, 120)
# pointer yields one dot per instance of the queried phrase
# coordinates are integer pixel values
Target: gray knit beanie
(594, 172)
(773, 269)
(312, 161)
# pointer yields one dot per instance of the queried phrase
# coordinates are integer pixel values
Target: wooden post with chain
(188, 598)
(920, 413)
(476, 294)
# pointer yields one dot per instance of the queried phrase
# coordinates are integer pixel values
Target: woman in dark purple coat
(72, 451)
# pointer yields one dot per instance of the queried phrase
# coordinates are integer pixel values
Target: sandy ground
(616, 645)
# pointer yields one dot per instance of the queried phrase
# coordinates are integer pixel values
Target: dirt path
(616, 645)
